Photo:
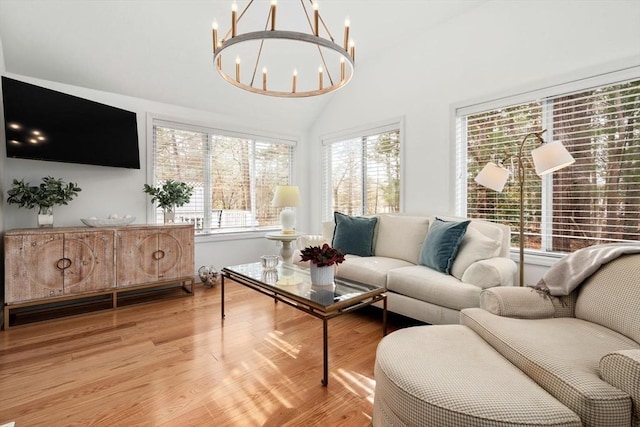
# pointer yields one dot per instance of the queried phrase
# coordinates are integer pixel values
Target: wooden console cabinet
(43, 266)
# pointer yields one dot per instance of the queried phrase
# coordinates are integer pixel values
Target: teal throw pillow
(354, 234)
(441, 244)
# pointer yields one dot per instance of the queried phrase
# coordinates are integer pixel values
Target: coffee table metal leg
(222, 296)
(325, 364)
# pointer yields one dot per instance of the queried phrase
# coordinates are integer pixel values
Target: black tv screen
(44, 124)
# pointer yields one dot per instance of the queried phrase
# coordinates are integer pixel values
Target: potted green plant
(322, 260)
(51, 191)
(168, 196)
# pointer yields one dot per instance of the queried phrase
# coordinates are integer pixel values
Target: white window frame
(209, 128)
(608, 74)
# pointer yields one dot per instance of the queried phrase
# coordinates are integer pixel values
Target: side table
(286, 251)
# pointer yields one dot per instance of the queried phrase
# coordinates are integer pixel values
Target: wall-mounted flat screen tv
(44, 124)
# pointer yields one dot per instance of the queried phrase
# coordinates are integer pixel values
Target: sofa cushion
(401, 236)
(492, 230)
(371, 270)
(521, 302)
(562, 355)
(441, 244)
(353, 234)
(425, 284)
(475, 246)
(611, 296)
(490, 272)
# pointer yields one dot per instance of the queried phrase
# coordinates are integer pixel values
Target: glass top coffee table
(292, 285)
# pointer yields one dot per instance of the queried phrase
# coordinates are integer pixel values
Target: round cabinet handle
(157, 255)
(63, 263)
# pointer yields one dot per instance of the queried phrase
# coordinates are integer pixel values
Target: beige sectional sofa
(417, 291)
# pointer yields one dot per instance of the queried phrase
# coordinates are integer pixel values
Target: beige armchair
(584, 348)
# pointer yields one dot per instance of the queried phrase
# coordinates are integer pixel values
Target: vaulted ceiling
(160, 50)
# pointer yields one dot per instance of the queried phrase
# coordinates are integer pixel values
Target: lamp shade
(551, 157)
(493, 176)
(286, 196)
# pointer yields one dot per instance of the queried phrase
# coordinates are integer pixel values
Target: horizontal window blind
(361, 176)
(234, 178)
(595, 200)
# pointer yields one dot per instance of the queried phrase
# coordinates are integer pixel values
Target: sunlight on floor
(274, 339)
(356, 383)
(266, 401)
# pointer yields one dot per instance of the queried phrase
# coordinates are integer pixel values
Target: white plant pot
(321, 276)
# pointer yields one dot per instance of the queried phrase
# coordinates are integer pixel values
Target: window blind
(595, 200)
(233, 177)
(361, 175)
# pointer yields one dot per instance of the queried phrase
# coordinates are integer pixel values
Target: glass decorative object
(208, 275)
(270, 262)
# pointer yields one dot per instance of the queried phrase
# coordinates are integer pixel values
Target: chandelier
(334, 61)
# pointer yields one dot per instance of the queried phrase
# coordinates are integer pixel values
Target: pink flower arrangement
(322, 256)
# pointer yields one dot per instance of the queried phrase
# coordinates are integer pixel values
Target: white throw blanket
(568, 273)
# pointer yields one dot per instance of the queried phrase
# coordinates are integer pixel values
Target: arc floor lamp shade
(551, 157)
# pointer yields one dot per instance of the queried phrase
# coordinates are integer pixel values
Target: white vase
(45, 216)
(321, 276)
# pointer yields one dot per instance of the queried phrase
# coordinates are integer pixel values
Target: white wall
(496, 48)
(107, 190)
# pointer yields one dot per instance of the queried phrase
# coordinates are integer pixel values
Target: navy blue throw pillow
(354, 234)
(441, 244)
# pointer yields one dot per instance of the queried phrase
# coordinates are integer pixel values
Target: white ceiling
(160, 50)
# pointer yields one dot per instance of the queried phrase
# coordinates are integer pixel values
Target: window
(361, 175)
(596, 200)
(234, 177)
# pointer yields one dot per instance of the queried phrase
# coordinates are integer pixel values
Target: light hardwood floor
(176, 363)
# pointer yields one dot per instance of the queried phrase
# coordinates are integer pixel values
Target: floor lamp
(547, 158)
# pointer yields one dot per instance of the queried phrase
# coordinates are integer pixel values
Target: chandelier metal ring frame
(296, 36)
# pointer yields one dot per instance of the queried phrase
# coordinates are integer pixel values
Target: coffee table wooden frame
(310, 307)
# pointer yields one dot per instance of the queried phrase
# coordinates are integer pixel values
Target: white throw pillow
(401, 236)
(475, 246)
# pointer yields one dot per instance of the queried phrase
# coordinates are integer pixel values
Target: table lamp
(287, 197)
